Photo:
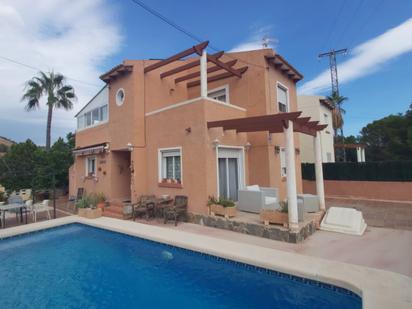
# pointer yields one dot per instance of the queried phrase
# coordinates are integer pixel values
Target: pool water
(77, 266)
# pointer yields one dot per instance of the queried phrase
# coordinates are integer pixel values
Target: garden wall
(378, 190)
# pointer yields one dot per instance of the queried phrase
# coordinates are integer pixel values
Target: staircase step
(114, 209)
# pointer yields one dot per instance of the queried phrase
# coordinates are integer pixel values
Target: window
(171, 167)
(91, 166)
(220, 94)
(93, 117)
(282, 162)
(120, 95)
(282, 95)
(326, 121)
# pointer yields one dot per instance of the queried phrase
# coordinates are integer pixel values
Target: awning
(89, 150)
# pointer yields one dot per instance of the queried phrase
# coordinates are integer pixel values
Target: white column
(363, 154)
(358, 154)
(320, 191)
(203, 74)
(291, 177)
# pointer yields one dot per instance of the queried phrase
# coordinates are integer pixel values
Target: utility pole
(335, 83)
(333, 67)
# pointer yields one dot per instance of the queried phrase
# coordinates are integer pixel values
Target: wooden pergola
(286, 123)
(199, 77)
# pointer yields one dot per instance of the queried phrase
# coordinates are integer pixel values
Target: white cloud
(255, 40)
(367, 58)
(72, 37)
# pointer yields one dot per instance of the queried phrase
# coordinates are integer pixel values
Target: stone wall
(260, 230)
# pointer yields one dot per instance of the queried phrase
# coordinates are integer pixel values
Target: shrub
(363, 171)
(222, 201)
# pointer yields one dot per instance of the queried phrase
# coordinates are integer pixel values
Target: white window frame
(161, 167)
(226, 88)
(97, 123)
(283, 166)
(280, 85)
(241, 167)
(87, 166)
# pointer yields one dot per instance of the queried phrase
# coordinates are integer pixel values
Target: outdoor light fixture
(216, 143)
(248, 146)
(277, 149)
(130, 146)
(106, 148)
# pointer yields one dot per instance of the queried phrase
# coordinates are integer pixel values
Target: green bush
(363, 171)
(225, 202)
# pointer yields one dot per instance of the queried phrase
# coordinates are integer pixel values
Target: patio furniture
(39, 208)
(310, 202)
(161, 204)
(255, 198)
(145, 206)
(178, 209)
(25, 194)
(11, 208)
(16, 199)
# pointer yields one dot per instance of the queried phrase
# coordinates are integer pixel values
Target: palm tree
(337, 116)
(58, 93)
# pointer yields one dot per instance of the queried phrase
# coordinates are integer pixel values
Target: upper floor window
(93, 117)
(220, 94)
(282, 96)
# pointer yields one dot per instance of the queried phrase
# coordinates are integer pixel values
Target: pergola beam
(217, 77)
(224, 66)
(188, 66)
(194, 49)
(209, 70)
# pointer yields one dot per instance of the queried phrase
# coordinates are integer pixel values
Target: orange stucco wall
(138, 123)
(376, 190)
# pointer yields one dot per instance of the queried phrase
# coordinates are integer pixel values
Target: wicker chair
(177, 209)
(145, 205)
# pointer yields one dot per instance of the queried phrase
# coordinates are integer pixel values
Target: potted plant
(276, 216)
(221, 206)
(101, 200)
(86, 207)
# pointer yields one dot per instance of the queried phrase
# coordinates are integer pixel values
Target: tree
(58, 93)
(337, 116)
(389, 138)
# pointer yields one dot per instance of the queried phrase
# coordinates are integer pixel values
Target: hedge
(366, 171)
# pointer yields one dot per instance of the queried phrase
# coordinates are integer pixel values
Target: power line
(334, 22)
(184, 31)
(38, 69)
(350, 22)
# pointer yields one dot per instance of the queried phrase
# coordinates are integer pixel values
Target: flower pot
(90, 213)
(101, 205)
(219, 210)
(275, 217)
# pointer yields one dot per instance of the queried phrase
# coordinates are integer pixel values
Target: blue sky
(114, 31)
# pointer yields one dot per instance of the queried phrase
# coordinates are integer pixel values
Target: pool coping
(378, 288)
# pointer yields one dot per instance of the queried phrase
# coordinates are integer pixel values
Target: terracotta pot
(101, 205)
(219, 210)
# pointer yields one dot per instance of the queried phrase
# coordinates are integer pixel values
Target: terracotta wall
(379, 190)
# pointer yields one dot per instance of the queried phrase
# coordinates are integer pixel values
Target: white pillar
(363, 154)
(291, 177)
(203, 74)
(320, 191)
(358, 154)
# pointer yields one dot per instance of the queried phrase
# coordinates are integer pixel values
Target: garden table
(8, 207)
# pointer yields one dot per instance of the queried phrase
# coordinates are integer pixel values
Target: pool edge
(377, 288)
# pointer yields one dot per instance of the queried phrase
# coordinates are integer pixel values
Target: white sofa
(254, 199)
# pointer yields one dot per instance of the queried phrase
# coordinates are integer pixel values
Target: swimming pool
(80, 266)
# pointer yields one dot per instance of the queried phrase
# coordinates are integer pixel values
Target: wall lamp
(277, 149)
(216, 143)
(130, 146)
(248, 146)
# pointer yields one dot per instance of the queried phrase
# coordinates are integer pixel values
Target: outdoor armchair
(144, 205)
(39, 208)
(177, 209)
(255, 198)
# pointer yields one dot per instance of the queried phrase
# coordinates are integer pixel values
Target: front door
(229, 164)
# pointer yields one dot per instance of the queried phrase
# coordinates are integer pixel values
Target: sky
(88, 37)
